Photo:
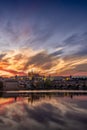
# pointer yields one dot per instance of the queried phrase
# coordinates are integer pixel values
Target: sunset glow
(49, 39)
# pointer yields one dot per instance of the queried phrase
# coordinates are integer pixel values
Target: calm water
(43, 111)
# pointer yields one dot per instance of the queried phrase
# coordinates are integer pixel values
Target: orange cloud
(20, 62)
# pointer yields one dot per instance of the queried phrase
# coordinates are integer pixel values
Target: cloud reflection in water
(51, 114)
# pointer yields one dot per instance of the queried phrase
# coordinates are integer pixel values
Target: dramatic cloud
(56, 63)
(18, 57)
(57, 53)
(49, 37)
(42, 60)
(72, 40)
(78, 41)
(2, 56)
(81, 68)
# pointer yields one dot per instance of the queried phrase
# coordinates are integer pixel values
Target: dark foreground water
(43, 111)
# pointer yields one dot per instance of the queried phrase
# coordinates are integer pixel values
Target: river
(43, 111)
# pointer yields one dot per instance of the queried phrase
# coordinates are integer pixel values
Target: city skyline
(46, 36)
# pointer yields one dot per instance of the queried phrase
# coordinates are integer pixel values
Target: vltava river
(43, 111)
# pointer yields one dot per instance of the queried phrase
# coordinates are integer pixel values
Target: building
(10, 85)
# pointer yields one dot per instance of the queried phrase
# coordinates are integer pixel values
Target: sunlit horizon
(50, 39)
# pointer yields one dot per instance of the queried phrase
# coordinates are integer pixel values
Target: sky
(45, 36)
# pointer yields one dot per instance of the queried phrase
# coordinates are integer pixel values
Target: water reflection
(51, 111)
